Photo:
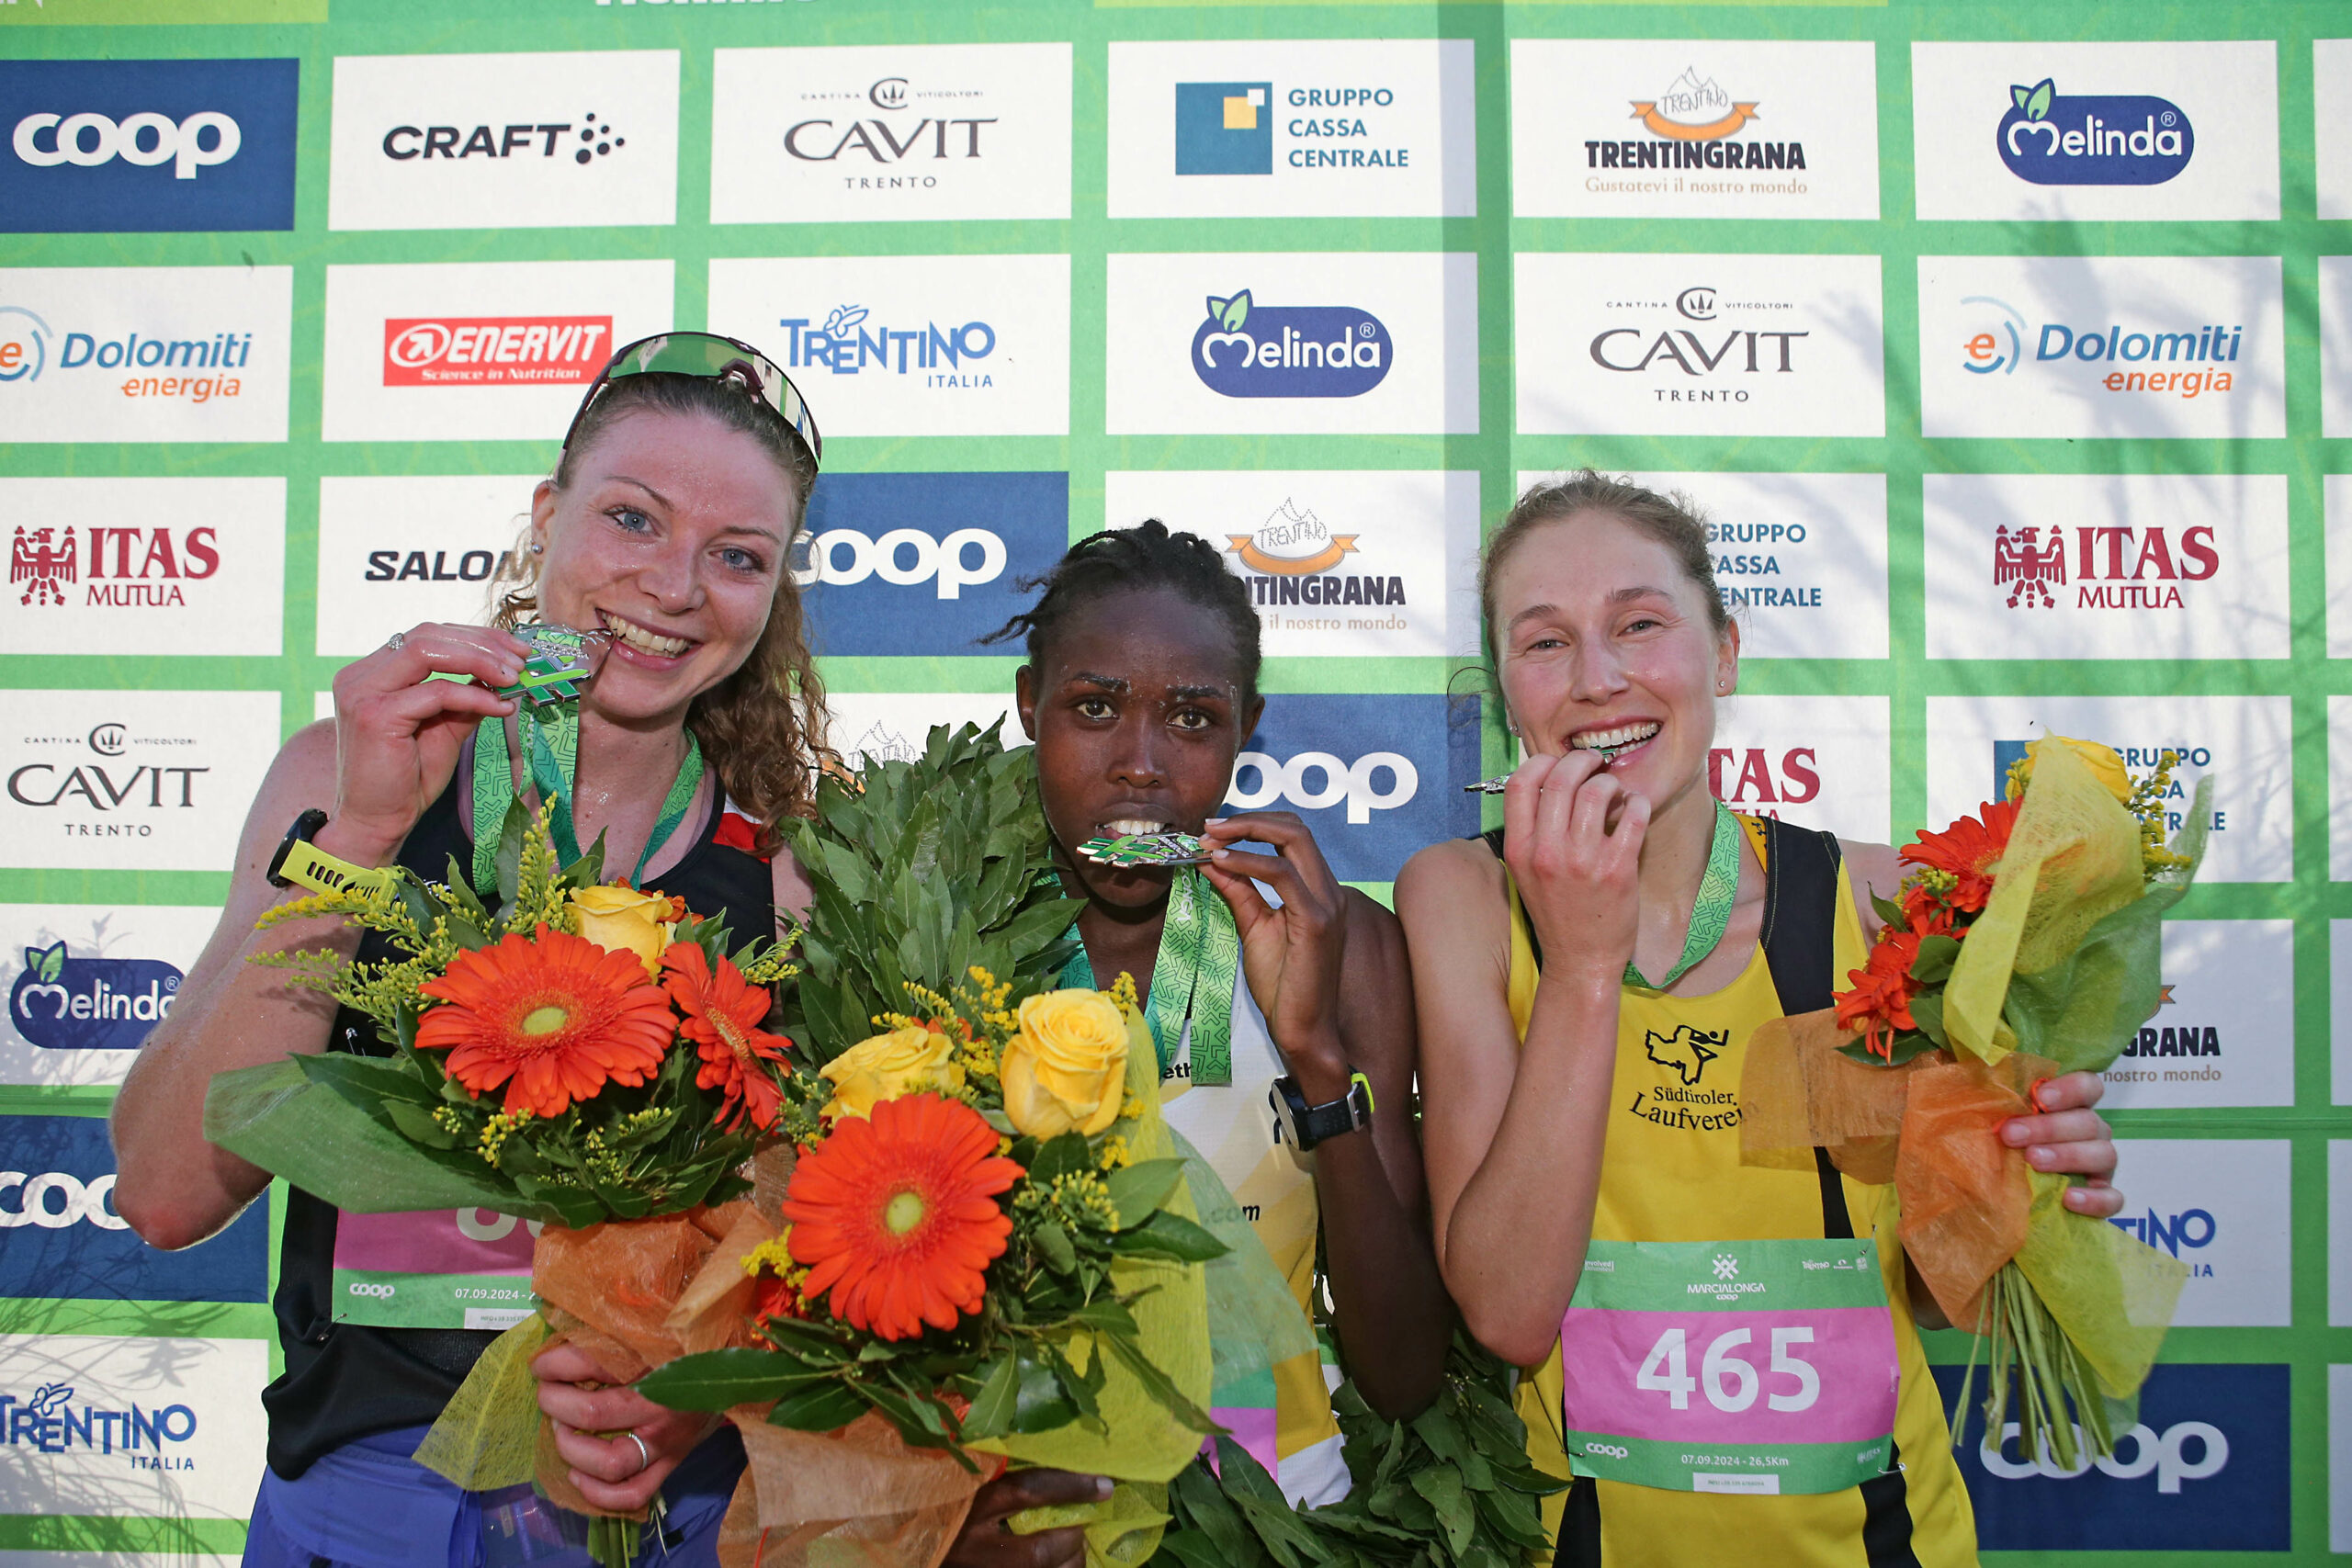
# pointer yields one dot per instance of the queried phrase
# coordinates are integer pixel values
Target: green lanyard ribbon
(552, 748)
(1712, 914)
(1191, 979)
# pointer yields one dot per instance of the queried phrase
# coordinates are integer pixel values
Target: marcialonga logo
(1687, 1049)
(1274, 548)
(1694, 111)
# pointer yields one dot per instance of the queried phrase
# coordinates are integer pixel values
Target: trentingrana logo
(2050, 139)
(1691, 126)
(1293, 557)
(1245, 350)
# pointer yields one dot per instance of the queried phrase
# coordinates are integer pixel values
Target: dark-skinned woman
(1139, 689)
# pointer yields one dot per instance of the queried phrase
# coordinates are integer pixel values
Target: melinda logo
(63, 1003)
(480, 351)
(2051, 139)
(1289, 351)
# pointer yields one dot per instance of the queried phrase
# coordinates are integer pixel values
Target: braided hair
(1123, 560)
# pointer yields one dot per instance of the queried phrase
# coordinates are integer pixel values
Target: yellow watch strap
(312, 867)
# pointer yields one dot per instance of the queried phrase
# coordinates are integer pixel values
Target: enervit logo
(1244, 350)
(2187, 1450)
(883, 575)
(148, 144)
(76, 1202)
(481, 351)
(1311, 781)
(903, 557)
(845, 344)
(63, 1003)
(2053, 140)
(583, 144)
(64, 1238)
(1225, 128)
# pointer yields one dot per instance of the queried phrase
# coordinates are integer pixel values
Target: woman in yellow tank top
(1728, 1356)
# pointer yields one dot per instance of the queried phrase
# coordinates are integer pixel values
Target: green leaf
(1927, 1013)
(1935, 960)
(819, 1406)
(1039, 1404)
(1236, 311)
(1156, 1382)
(1889, 912)
(1194, 1549)
(1169, 1235)
(1436, 1428)
(1066, 1155)
(717, 1380)
(418, 1126)
(2036, 107)
(1441, 1485)
(513, 834)
(46, 962)
(992, 1407)
(2017, 95)
(1077, 1387)
(1054, 1246)
(1137, 1189)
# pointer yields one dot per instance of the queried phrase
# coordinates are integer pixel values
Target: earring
(538, 549)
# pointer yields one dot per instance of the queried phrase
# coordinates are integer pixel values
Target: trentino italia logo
(1293, 559)
(49, 1419)
(2051, 139)
(1692, 122)
(63, 1003)
(1998, 347)
(845, 345)
(1289, 351)
(1225, 128)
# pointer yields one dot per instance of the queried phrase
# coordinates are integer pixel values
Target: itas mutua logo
(1293, 558)
(1753, 778)
(495, 351)
(947, 357)
(2051, 139)
(1997, 346)
(108, 783)
(64, 1003)
(1691, 126)
(1225, 128)
(1246, 350)
(921, 127)
(2115, 567)
(583, 142)
(1659, 349)
(148, 565)
(1761, 562)
(50, 1421)
(25, 356)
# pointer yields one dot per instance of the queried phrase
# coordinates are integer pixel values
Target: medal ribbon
(1191, 979)
(551, 748)
(1711, 913)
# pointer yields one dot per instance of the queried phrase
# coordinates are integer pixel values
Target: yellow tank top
(1672, 1173)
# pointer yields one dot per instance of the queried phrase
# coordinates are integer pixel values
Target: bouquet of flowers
(2025, 944)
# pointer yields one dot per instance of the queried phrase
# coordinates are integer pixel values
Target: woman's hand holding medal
(399, 731)
(1572, 836)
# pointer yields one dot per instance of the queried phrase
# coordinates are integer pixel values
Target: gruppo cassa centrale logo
(1246, 350)
(925, 563)
(116, 145)
(64, 1239)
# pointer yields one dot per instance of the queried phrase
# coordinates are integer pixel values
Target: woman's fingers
(986, 1543)
(2095, 1197)
(2069, 1091)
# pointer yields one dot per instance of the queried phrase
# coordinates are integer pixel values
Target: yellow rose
(2104, 763)
(1067, 1067)
(904, 1061)
(621, 919)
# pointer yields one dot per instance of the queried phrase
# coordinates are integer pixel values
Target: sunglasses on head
(712, 359)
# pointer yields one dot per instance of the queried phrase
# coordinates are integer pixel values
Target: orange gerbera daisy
(1968, 849)
(896, 1215)
(1881, 1000)
(552, 1018)
(721, 1011)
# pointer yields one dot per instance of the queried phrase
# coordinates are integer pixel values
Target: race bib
(435, 1268)
(1759, 1367)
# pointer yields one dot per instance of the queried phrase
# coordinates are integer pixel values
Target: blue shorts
(368, 1505)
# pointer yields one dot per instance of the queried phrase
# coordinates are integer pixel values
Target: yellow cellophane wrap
(2113, 1296)
(2073, 859)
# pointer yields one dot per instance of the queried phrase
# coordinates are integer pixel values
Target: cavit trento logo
(149, 140)
(938, 137)
(2116, 566)
(1997, 343)
(586, 142)
(850, 340)
(1291, 560)
(63, 1003)
(2053, 140)
(1691, 125)
(1695, 352)
(1244, 350)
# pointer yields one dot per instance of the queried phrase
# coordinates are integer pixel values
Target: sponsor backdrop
(2008, 347)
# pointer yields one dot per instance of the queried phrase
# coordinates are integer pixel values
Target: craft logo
(147, 567)
(2050, 140)
(883, 575)
(2116, 568)
(1691, 125)
(2191, 1228)
(416, 566)
(64, 1239)
(869, 146)
(63, 1003)
(1244, 350)
(25, 356)
(1225, 128)
(148, 145)
(1764, 562)
(121, 791)
(2137, 761)
(584, 144)
(1658, 347)
(1292, 559)
(949, 357)
(1754, 779)
(1997, 346)
(487, 350)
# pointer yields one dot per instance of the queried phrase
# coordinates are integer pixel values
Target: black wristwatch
(305, 828)
(1304, 1125)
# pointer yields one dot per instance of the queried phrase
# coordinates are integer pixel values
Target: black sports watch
(305, 828)
(1304, 1125)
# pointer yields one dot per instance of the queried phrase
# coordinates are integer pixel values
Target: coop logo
(1293, 557)
(2191, 1228)
(846, 344)
(49, 1420)
(2002, 339)
(64, 1239)
(123, 569)
(2051, 139)
(148, 144)
(54, 1201)
(581, 143)
(1691, 125)
(885, 576)
(1245, 350)
(481, 351)
(2115, 567)
(63, 1003)
(120, 794)
(1225, 128)
(938, 136)
(1755, 779)
(2185, 1451)
(1312, 781)
(904, 558)
(1721, 343)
